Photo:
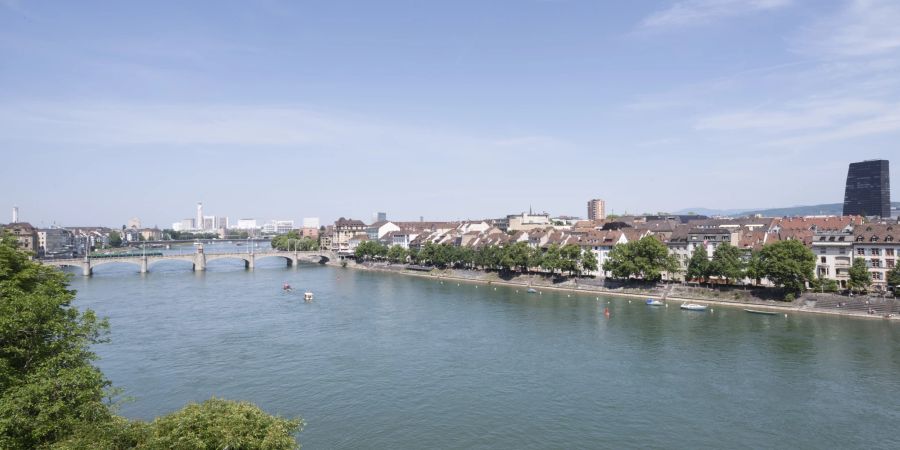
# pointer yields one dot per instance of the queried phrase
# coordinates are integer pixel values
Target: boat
(654, 302)
(532, 291)
(765, 313)
(308, 296)
(693, 307)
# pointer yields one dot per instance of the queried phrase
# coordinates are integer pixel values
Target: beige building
(879, 245)
(596, 209)
(343, 231)
(25, 234)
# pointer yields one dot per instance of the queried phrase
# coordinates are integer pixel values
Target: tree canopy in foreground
(52, 396)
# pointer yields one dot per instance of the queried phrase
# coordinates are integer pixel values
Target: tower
(199, 222)
(596, 209)
(15, 214)
(868, 190)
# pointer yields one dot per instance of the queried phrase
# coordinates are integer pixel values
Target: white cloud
(863, 28)
(122, 124)
(694, 12)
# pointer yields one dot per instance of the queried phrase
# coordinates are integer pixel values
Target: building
(868, 191)
(343, 231)
(199, 220)
(596, 209)
(247, 224)
(278, 226)
(25, 234)
(309, 232)
(310, 222)
(879, 245)
(55, 242)
(377, 230)
(527, 221)
(834, 254)
(134, 222)
(151, 234)
(379, 217)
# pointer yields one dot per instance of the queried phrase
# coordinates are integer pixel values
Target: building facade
(596, 209)
(25, 234)
(834, 255)
(868, 190)
(879, 245)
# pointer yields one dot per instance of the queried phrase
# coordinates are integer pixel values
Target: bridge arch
(290, 260)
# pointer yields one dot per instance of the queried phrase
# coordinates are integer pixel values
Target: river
(389, 361)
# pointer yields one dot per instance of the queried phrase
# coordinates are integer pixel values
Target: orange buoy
(606, 312)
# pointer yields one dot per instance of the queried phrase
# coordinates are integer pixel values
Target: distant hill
(828, 209)
(709, 212)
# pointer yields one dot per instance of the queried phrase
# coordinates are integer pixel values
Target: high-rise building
(15, 216)
(596, 209)
(379, 217)
(868, 191)
(199, 221)
(310, 222)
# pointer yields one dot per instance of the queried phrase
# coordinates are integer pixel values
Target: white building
(310, 222)
(247, 224)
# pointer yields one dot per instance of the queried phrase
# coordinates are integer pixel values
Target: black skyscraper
(868, 190)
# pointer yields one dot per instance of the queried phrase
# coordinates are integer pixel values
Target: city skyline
(462, 111)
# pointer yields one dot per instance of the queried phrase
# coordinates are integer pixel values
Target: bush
(790, 297)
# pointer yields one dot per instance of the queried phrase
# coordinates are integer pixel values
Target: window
(859, 239)
(861, 252)
(877, 275)
(824, 260)
(888, 252)
(890, 263)
(876, 252)
(876, 262)
(889, 239)
(873, 239)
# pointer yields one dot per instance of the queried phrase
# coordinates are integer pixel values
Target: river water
(389, 361)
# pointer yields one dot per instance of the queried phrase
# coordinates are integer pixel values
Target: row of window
(875, 252)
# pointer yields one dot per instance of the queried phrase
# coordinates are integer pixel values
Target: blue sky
(447, 110)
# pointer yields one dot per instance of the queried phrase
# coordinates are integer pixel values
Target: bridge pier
(144, 264)
(251, 261)
(200, 261)
(86, 269)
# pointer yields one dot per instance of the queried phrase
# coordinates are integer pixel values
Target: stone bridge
(198, 260)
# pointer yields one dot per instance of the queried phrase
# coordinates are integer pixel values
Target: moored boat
(532, 291)
(308, 296)
(693, 307)
(765, 313)
(654, 302)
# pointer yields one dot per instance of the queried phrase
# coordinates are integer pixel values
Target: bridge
(198, 260)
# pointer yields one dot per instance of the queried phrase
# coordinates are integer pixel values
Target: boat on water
(654, 302)
(532, 291)
(308, 296)
(693, 307)
(765, 313)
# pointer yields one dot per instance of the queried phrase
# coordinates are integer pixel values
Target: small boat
(286, 288)
(654, 302)
(308, 296)
(532, 291)
(765, 313)
(693, 307)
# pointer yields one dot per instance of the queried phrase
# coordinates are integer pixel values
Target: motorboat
(654, 302)
(308, 296)
(693, 307)
(532, 291)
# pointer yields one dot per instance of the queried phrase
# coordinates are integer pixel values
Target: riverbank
(675, 293)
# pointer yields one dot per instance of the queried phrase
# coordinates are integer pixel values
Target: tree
(551, 260)
(727, 263)
(115, 239)
(823, 284)
(515, 256)
(699, 267)
(859, 275)
(646, 258)
(52, 396)
(893, 277)
(589, 261)
(396, 254)
(787, 263)
(48, 385)
(570, 254)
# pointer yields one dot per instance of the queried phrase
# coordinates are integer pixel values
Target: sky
(445, 110)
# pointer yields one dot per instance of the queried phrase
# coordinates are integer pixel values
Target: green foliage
(115, 239)
(787, 263)
(48, 385)
(173, 235)
(893, 277)
(589, 261)
(397, 254)
(552, 260)
(51, 395)
(727, 262)
(647, 258)
(291, 241)
(218, 424)
(699, 266)
(859, 275)
(822, 284)
(368, 250)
